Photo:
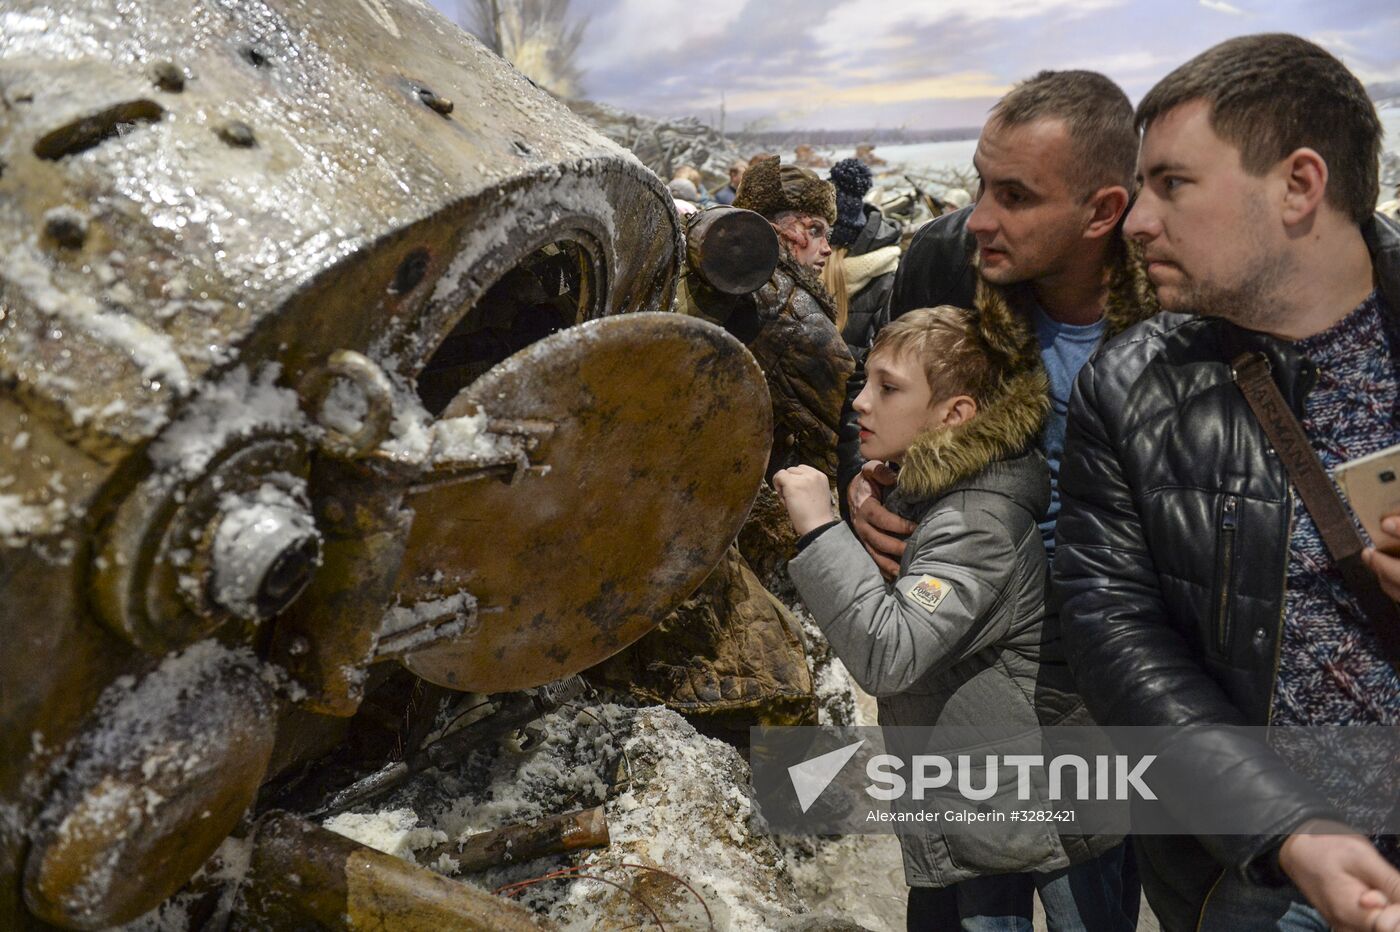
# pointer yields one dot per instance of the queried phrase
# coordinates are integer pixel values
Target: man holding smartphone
(1192, 582)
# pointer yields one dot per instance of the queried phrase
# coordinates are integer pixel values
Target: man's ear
(1106, 206)
(959, 410)
(1304, 175)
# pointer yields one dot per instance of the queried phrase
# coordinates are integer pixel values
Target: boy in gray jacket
(960, 637)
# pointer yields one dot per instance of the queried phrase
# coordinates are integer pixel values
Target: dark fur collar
(808, 281)
(1130, 301)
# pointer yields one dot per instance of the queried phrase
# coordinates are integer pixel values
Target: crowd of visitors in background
(1051, 450)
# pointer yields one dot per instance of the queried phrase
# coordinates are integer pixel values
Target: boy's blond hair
(946, 343)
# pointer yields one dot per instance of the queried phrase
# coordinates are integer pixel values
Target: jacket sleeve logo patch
(929, 592)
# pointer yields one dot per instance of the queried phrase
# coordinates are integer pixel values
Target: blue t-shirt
(1064, 348)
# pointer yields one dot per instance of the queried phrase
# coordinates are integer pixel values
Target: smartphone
(1372, 487)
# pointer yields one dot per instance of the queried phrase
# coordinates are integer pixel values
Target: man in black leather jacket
(1191, 584)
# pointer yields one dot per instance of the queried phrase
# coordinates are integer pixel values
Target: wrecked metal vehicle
(319, 356)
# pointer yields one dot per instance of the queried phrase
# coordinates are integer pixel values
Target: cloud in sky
(658, 26)
(1220, 6)
(924, 63)
(868, 23)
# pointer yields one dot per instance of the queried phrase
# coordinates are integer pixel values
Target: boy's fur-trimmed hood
(1008, 425)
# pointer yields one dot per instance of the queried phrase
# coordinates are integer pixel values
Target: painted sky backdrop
(923, 64)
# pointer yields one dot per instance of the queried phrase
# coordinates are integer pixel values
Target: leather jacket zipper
(1229, 523)
(1282, 601)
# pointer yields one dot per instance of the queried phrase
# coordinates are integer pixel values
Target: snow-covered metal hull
(250, 253)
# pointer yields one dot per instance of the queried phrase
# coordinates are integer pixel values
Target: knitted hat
(769, 188)
(684, 189)
(851, 178)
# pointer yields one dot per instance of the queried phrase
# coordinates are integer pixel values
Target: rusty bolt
(66, 226)
(169, 76)
(237, 134)
(433, 102)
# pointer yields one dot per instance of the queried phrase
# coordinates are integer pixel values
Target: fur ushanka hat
(769, 189)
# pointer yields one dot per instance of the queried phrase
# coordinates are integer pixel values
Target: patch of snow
(406, 628)
(234, 406)
(682, 807)
(20, 520)
(152, 351)
(393, 831)
(687, 815)
(171, 916)
(345, 408)
(857, 877)
(464, 438)
(837, 694)
(281, 682)
(410, 437)
(415, 436)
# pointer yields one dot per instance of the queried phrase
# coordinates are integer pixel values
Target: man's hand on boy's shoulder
(880, 530)
(806, 493)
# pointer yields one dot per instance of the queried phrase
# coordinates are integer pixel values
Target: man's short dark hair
(1272, 94)
(1097, 114)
